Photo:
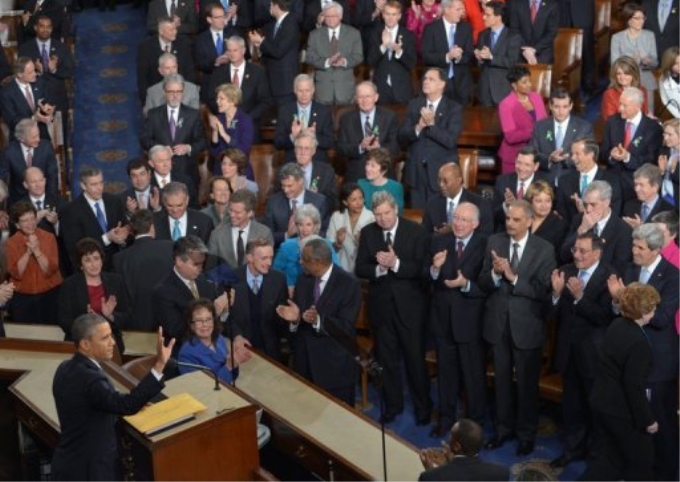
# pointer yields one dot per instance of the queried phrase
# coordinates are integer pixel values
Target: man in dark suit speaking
(516, 274)
(88, 406)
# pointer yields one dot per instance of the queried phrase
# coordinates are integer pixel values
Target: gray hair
(237, 39)
(335, 5)
(308, 211)
(524, 206)
(602, 188)
(307, 135)
(173, 79)
(650, 172)
(84, 326)
(651, 234)
(23, 127)
(368, 83)
(165, 57)
(303, 78)
(158, 148)
(245, 197)
(291, 170)
(175, 187)
(473, 209)
(187, 245)
(381, 197)
(634, 94)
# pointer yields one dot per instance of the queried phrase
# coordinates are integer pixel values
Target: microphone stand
(227, 290)
(199, 367)
(330, 327)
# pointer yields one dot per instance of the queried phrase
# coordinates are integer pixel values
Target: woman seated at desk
(205, 344)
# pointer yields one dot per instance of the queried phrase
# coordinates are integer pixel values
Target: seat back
(262, 160)
(541, 79)
(468, 160)
(140, 367)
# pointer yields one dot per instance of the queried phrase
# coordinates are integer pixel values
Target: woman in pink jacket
(518, 113)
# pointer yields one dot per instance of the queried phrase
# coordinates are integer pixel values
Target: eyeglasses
(202, 321)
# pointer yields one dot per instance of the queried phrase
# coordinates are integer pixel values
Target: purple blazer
(517, 125)
(242, 132)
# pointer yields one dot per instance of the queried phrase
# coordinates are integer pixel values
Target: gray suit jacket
(334, 84)
(645, 45)
(155, 97)
(222, 243)
(544, 138)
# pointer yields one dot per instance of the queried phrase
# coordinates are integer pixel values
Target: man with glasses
(582, 306)
(155, 95)
(177, 126)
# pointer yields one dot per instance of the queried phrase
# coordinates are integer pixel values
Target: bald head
(450, 179)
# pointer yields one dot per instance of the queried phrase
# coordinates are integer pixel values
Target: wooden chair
(568, 63)
(140, 367)
(262, 160)
(541, 79)
(469, 165)
(603, 34)
(365, 341)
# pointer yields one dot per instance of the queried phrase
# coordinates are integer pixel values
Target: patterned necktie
(176, 233)
(584, 183)
(514, 260)
(452, 42)
(628, 135)
(559, 137)
(304, 118)
(449, 212)
(101, 219)
(45, 58)
(29, 158)
(520, 191)
(334, 44)
(240, 248)
(368, 130)
(255, 287)
(173, 125)
(219, 45)
(29, 97)
(317, 289)
(234, 80)
(194, 289)
(644, 212)
(459, 250)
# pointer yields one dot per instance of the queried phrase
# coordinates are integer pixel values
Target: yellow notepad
(168, 413)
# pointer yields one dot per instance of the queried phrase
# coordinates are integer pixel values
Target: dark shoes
(525, 448)
(566, 458)
(497, 442)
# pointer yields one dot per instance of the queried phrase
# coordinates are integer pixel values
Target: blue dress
(393, 187)
(194, 351)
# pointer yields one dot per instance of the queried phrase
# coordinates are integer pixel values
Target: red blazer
(610, 102)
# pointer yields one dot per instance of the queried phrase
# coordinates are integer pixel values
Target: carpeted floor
(107, 116)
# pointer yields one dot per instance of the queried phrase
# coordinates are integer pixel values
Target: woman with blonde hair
(546, 224)
(623, 73)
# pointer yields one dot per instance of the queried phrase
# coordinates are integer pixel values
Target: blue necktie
(584, 183)
(644, 212)
(176, 233)
(452, 42)
(494, 38)
(101, 219)
(219, 45)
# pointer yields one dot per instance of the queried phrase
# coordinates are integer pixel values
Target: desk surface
(330, 424)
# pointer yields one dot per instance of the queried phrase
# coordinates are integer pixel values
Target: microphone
(172, 362)
(227, 290)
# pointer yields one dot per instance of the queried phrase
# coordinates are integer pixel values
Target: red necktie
(235, 79)
(534, 10)
(628, 135)
(520, 191)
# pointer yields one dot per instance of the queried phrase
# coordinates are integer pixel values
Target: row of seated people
(466, 272)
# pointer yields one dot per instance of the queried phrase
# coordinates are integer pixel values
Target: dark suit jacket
(503, 182)
(323, 178)
(14, 105)
(313, 9)
(581, 326)
(5, 68)
(170, 299)
(570, 184)
(142, 266)
(277, 213)
(321, 115)
(520, 305)
(147, 62)
(88, 408)
(78, 221)
(668, 37)
(198, 224)
(403, 289)
(435, 46)
(51, 8)
(73, 302)
(256, 99)
(58, 204)
(13, 166)
(449, 303)
(644, 147)
(205, 54)
(178, 176)
(493, 86)
(543, 139)
(626, 361)
(397, 69)
(435, 212)
(184, 10)
(552, 229)
(467, 468)
(318, 356)
(274, 292)
(156, 130)
(634, 207)
(351, 133)
(436, 145)
(280, 55)
(55, 82)
(618, 242)
(539, 34)
(661, 328)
